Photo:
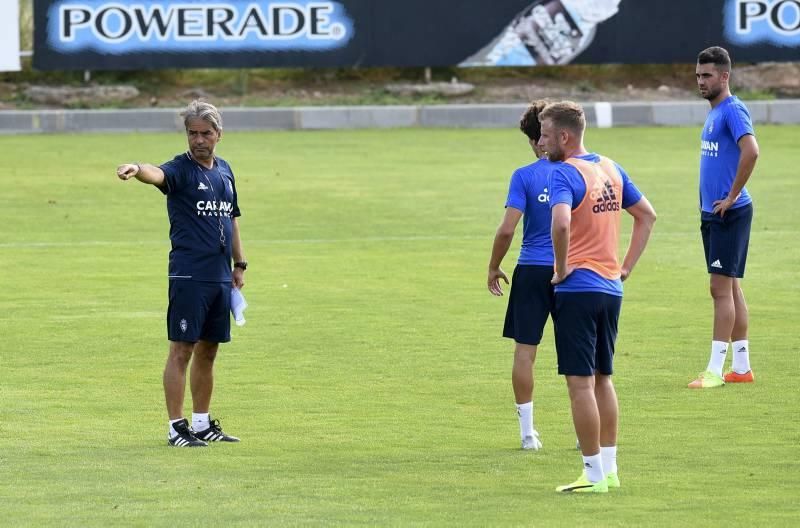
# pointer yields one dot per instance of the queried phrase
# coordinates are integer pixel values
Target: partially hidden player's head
(713, 72)
(562, 126)
(530, 125)
(203, 124)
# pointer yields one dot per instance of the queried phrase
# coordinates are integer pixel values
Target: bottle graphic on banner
(546, 32)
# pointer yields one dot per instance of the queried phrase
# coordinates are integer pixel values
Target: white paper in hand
(238, 305)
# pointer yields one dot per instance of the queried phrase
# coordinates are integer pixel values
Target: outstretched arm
(644, 216)
(143, 172)
(502, 241)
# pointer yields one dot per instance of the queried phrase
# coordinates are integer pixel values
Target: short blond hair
(565, 114)
(198, 109)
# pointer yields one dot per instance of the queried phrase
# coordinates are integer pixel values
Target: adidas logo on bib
(605, 198)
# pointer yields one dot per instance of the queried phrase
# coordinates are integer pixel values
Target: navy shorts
(586, 331)
(199, 311)
(529, 303)
(726, 239)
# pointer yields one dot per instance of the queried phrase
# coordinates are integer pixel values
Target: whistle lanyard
(216, 198)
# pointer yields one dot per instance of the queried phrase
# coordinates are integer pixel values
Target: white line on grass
(250, 242)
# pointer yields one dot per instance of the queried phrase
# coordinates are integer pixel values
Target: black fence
(132, 34)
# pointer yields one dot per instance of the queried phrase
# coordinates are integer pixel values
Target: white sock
(171, 433)
(609, 455)
(200, 421)
(719, 350)
(525, 414)
(741, 356)
(593, 465)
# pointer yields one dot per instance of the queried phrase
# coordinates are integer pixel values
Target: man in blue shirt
(203, 214)
(728, 153)
(587, 195)
(531, 298)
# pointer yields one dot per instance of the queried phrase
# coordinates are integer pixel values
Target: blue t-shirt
(719, 152)
(567, 186)
(528, 193)
(201, 203)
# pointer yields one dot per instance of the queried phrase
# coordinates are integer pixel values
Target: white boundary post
(9, 35)
(605, 115)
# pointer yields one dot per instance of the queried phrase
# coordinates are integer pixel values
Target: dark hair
(529, 123)
(565, 114)
(717, 56)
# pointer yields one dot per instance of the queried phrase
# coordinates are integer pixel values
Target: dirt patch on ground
(27, 96)
(350, 87)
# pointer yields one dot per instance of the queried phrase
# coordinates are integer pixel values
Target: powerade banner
(124, 34)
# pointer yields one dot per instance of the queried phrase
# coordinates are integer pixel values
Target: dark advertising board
(126, 34)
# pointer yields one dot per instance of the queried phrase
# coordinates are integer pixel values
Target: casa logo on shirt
(214, 208)
(605, 198)
(709, 149)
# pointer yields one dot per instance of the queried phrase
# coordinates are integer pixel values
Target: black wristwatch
(241, 265)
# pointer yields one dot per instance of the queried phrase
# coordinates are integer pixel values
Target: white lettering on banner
(750, 22)
(9, 35)
(116, 22)
(782, 16)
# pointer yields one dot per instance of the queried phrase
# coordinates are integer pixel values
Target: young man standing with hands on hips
(728, 154)
(587, 195)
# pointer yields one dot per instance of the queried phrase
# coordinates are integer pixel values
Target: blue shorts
(529, 303)
(726, 239)
(586, 331)
(199, 311)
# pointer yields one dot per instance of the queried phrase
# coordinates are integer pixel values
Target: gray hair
(201, 110)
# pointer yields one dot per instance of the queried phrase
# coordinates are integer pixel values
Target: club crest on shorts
(184, 325)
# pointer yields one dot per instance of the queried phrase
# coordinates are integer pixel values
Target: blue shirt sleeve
(566, 186)
(630, 193)
(517, 197)
(176, 176)
(738, 120)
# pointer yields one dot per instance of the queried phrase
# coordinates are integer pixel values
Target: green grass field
(371, 385)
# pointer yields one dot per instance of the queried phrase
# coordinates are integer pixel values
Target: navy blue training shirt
(200, 201)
